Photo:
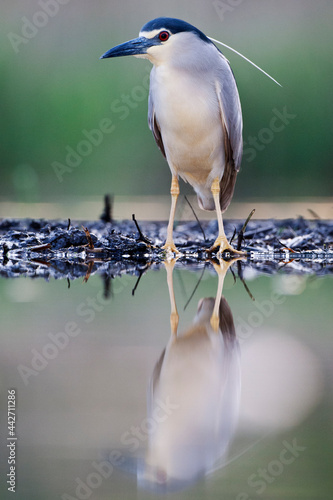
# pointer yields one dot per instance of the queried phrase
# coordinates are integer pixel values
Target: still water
(138, 397)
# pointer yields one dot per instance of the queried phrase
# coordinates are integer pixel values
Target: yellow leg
(174, 317)
(221, 241)
(221, 270)
(169, 244)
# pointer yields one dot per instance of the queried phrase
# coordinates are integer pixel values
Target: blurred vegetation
(55, 87)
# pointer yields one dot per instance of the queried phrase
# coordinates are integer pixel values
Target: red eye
(163, 36)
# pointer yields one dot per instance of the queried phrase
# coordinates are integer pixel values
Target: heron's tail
(227, 186)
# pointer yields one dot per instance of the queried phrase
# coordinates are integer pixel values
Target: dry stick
(241, 233)
(89, 238)
(38, 248)
(232, 237)
(196, 217)
(108, 205)
(284, 246)
(142, 237)
(91, 247)
(69, 224)
(314, 214)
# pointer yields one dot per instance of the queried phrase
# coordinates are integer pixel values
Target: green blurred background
(54, 87)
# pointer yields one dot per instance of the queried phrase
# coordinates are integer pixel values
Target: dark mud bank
(60, 249)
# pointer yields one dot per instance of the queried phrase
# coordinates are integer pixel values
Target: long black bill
(131, 48)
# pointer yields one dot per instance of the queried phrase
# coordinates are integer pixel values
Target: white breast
(188, 113)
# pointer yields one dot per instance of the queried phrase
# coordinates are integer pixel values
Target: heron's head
(164, 40)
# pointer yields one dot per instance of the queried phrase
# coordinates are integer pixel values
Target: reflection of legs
(169, 244)
(174, 318)
(221, 240)
(221, 270)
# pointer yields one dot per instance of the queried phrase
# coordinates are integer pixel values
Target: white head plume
(246, 59)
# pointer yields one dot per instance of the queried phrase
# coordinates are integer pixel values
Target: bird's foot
(226, 251)
(170, 248)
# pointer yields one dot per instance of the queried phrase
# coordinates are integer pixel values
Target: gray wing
(153, 124)
(231, 112)
(232, 124)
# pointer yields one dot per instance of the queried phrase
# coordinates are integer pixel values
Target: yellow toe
(225, 247)
(170, 247)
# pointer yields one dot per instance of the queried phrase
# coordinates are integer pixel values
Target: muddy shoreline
(71, 249)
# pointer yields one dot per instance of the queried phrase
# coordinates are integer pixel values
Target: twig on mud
(241, 232)
(259, 230)
(285, 247)
(38, 248)
(297, 240)
(89, 238)
(232, 237)
(91, 245)
(142, 237)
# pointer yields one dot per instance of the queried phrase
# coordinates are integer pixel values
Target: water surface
(113, 401)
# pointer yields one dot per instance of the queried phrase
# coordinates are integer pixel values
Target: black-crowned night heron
(199, 373)
(194, 113)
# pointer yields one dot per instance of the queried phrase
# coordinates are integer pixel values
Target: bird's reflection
(198, 374)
